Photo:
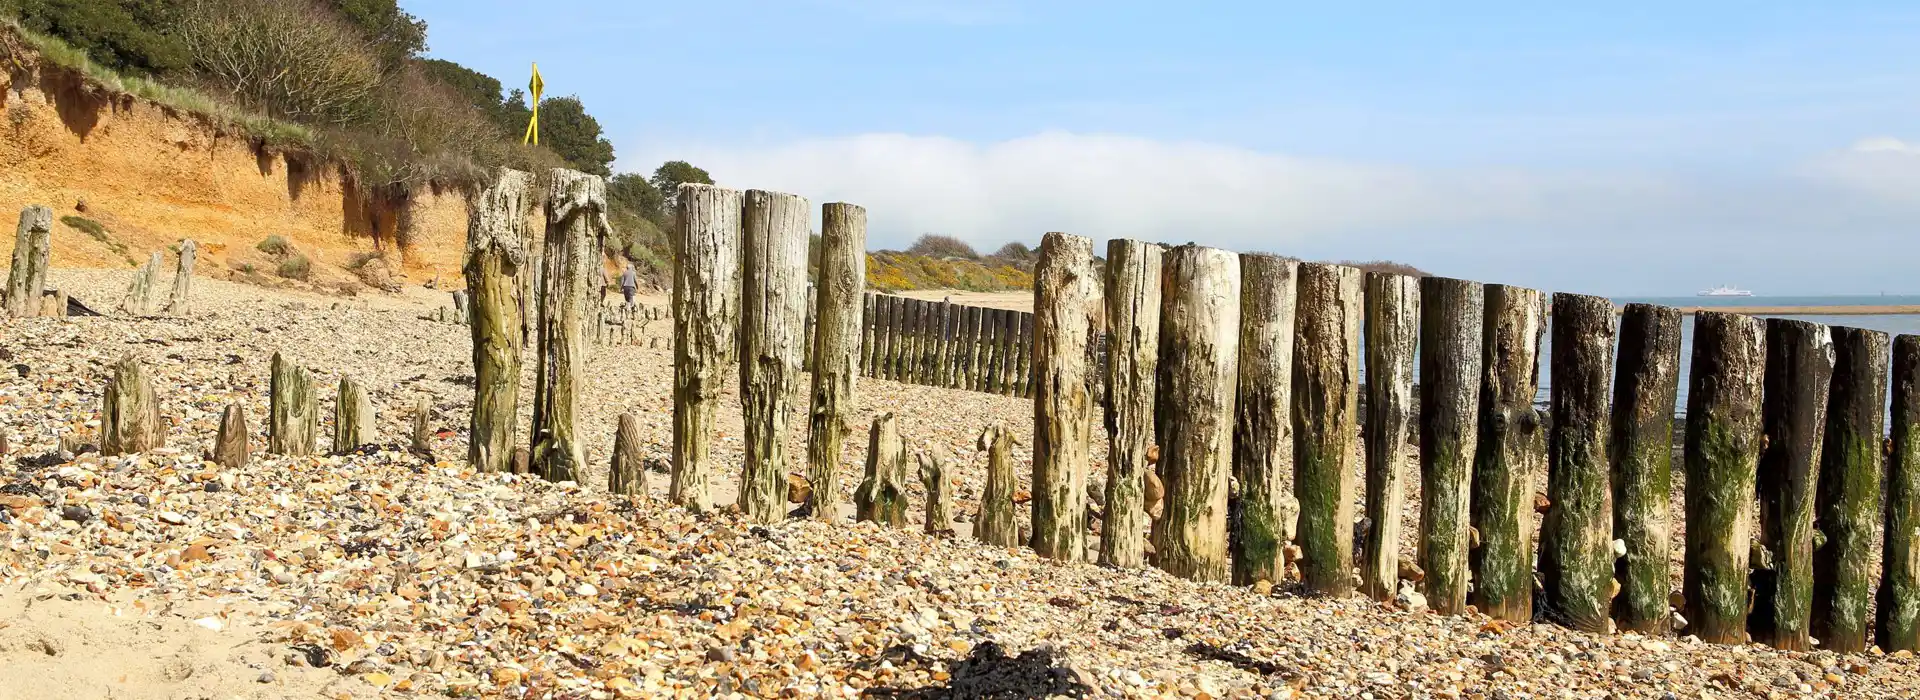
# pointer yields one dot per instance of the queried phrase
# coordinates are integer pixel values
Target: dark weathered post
(891, 346)
(1199, 362)
(129, 413)
(1512, 448)
(1133, 312)
(882, 497)
(626, 475)
(1393, 329)
(1576, 538)
(1326, 398)
(497, 240)
(1849, 490)
(1263, 427)
(995, 524)
(353, 417)
(882, 336)
(1451, 312)
(1066, 306)
(295, 417)
(1645, 383)
(773, 312)
(1793, 417)
(1025, 382)
(180, 302)
(990, 350)
(576, 223)
(1019, 352)
(950, 352)
(32, 246)
(934, 477)
(976, 347)
(1722, 456)
(230, 448)
(706, 306)
(867, 312)
(836, 354)
(1898, 625)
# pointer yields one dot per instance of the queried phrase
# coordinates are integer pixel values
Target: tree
(670, 175)
(395, 34)
(937, 246)
(125, 35)
(567, 128)
(632, 192)
(479, 89)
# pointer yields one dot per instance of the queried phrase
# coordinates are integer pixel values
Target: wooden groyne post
(1849, 490)
(1897, 626)
(1392, 330)
(129, 412)
(1722, 456)
(1793, 419)
(1646, 381)
(1066, 306)
(1576, 539)
(353, 418)
(1326, 398)
(1512, 448)
(882, 496)
(576, 223)
(293, 422)
(1451, 312)
(497, 262)
(836, 349)
(1133, 311)
(706, 306)
(773, 310)
(180, 302)
(1263, 426)
(1199, 363)
(32, 247)
(995, 524)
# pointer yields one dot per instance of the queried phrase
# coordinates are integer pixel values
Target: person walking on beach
(628, 283)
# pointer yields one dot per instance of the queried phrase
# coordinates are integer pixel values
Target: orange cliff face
(150, 176)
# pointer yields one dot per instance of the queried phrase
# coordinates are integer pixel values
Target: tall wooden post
(882, 336)
(1133, 311)
(180, 302)
(866, 314)
(1793, 417)
(1512, 448)
(976, 347)
(1263, 427)
(1392, 328)
(706, 305)
(295, 417)
(1451, 312)
(836, 342)
(1576, 538)
(1898, 625)
(1326, 397)
(990, 354)
(1645, 383)
(773, 312)
(576, 224)
(1018, 351)
(1849, 490)
(1026, 382)
(497, 262)
(1722, 456)
(995, 524)
(129, 413)
(139, 298)
(32, 245)
(353, 418)
(1199, 362)
(626, 475)
(891, 346)
(1066, 304)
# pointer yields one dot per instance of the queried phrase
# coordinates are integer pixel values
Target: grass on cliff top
(60, 53)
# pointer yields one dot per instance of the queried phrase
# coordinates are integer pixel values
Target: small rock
(720, 654)
(265, 677)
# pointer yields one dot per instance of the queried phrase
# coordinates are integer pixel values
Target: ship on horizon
(1726, 291)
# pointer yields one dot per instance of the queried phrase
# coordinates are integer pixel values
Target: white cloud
(1884, 144)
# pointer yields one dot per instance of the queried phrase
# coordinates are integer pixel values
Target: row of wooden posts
(27, 294)
(947, 345)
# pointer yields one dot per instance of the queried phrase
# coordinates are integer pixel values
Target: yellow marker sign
(533, 123)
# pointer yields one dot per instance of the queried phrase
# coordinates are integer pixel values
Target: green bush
(360, 259)
(936, 246)
(274, 246)
(91, 227)
(296, 267)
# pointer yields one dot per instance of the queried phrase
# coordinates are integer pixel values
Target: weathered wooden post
(129, 413)
(497, 261)
(1393, 329)
(1645, 382)
(1722, 456)
(1799, 371)
(907, 367)
(842, 276)
(32, 246)
(1451, 313)
(1199, 363)
(1326, 397)
(1066, 304)
(627, 475)
(1133, 311)
(180, 302)
(422, 438)
(706, 306)
(888, 314)
(1849, 490)
(1512, 448)
(1263, 427)
(867, 319)
(230, 445)
(1576, 538)
(933, 476)
(943, 353)
(1016, 352)
(139, 299)
(976, 348)
(294, 420)
(352, 417)
(1898, 624)
(1025, 382)
(882, 497)
(576, 223)
(995, 525)
(772, 313)
(877, 368)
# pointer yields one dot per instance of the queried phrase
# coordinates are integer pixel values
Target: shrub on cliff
(937, 246)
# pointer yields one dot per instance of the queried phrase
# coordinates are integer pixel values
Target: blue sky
(1622, 148)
